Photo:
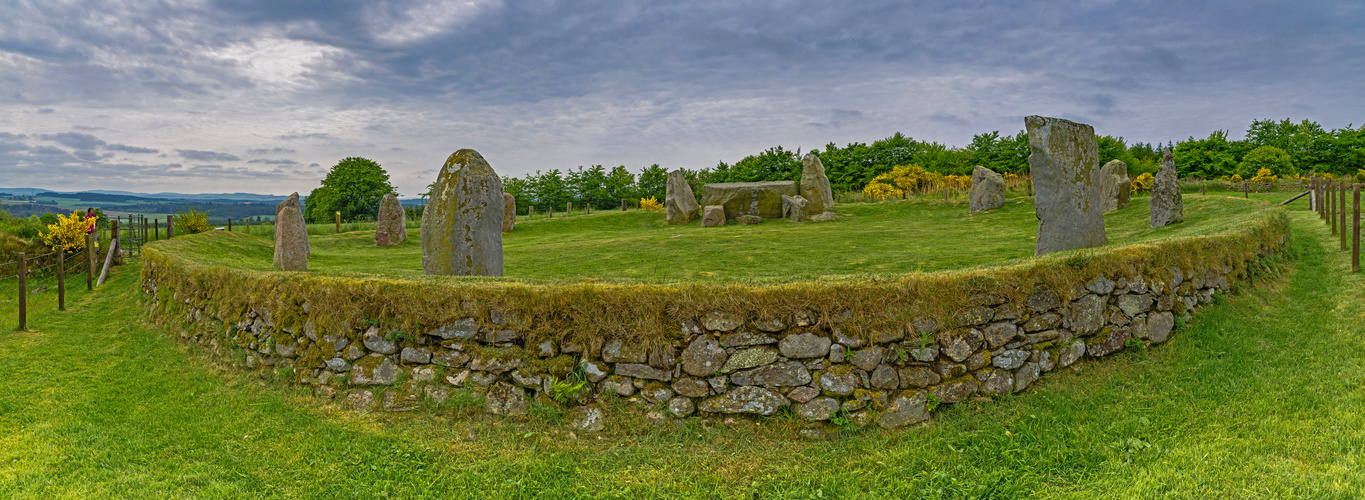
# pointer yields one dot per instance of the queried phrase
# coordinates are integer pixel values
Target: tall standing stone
(988, 190)
(1119, 188)
(1066, 174)
(815, 186)
(393, 222)
(1167, 205)
(509, 212)
(462, 223)
(291, 235)
(680, 203)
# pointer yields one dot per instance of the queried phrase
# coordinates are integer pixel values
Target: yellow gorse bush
(1264, 175)
(1235, 178)
(878, 190)
(69, 232)
(192, 222)
(1143, 183)
(958, 181)
(650, 203)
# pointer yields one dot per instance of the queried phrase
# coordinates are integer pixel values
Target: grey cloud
(75, 140)
(296, 137)
(89, 155)
(6, 146)
(45, 111)
(11, 137)
(275, 162)
(130, 149)
(263, 151)
(948, 118)
(193, 154)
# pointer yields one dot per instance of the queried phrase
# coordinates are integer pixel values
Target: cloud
(275, 162)
(264, 151)
(46, 111)
(192, 154)
(11, 137)
(75, 140)
(130, 149)
(296, 137)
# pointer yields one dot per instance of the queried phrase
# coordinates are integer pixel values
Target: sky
(265, 96)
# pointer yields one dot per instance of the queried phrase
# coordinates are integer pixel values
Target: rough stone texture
(691, 387)
(392, 223)
(416, 355)
(817, 409)
(681, 406)
(509, 212)
(815, 185)
(790, 373)
(884, 377)
(839, 380)
(620, 351)
(1026, 376)
(720, 322)
(997, 383)
(747, 399)
(794, 208)
(1133, 305)
(1109, 341)
(822, 217)
(291, 236)
(703, 357)
(361, 401)
(961, 345)
(956, 390)
(379, 344)
(1159, 326)
(374, 370)
(746, 338)
(867, 359)
(907, 408)
(461, 329)
(1010, 359)
(640, 371)
(713, 216)
(918, 376)
(680, 203)
(1168, 206)
(763, 199)
(1086, 316)
(462, 222)
(1118, 188)
(587, 418)
(999, 334)
(803, 394)
(1067, 184)
(805, 345)
(749, 358)
(1071, 353)
(988, 190)
(748, 220)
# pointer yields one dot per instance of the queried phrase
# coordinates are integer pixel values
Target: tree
(775, 164)
(1267, 157)
(653, 182)
(353, 187)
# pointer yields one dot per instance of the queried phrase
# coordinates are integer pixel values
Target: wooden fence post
(338, 222)
(1332, 207)
(229, 224)
(1341, 210)
(61, 278)
(1246, 189)
(568, 208)
(156, 228)
(623, 205)
(23, 292)
(168, 227)
(1355, 233)
(89, 263)
(247, 222)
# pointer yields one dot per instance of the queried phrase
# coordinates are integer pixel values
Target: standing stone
(393, 223)
(680, 204)
(1167, 205)
(763, 199)
(1065, 167)
(461, 226)
(291, 235)
(815, 186)
(713, 216)
(988, 190)
(1118, 188)
(794, 208)
(509, 212)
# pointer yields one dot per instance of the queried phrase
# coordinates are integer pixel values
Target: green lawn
(868, 238)
(1260, 396)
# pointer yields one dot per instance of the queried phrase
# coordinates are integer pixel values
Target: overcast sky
(264, 96)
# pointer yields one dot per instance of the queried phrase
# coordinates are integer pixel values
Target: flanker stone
(1167, 205)
(815, 185)
(1119, 188)
(392, 225)
(763, 199)
(713, 216)
(988, 190)
(680, 204)
(1067, 183)
(794, 208)
(291, 236)
(509, 212)
(462, 223)
(745, 399)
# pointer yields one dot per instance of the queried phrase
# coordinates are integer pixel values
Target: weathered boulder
(908, 408)
(789, 373)
(506, 399)
(748, 219)
(1167, 205)
(509, 212)
(816, 410)
(794, 208)
(703, 357)
(680, 204)
(745, 399)
(713, 216)
(462, 223)
(1067, 183)
(815, 185)
(392, 224)
(1118, 188)
(988, 190)
(291, 236)
(763, 199)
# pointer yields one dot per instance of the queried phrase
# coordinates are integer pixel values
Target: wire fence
(41, 282)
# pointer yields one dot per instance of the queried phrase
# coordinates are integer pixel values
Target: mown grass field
(917, 235)
(1261, 395)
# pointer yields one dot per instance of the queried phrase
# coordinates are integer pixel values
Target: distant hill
(124, 195)
(219, 206)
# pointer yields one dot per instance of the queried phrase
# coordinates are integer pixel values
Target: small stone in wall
(461, 329)
(423, 374)
(839, 380)
(956, 390)
(1086, 315)
(772, 325)
(867, 359)
(619, 351)
(453, 359)
(785, 374)
(961, 345)
(999, 334)
(917, 376)
(816, 410)
(361, 401)
(718, 321)
(1026, 376)
(978, 360)
(641, 371)
(703, 357)
(1159, 326)
(379, 344)
(884, 377)
(681, 407)
(1111, 340)
(997, 383)
(587, 418)
(907, 408)
(337, 365)
(746, 338)
(617, 384)
(491, 364)
(1010, 359)
(749, 358)
(691, 387)
(656, 392)
(400, 401)
(805, 345)
(506, 399)
(803, 394)
(420, 355)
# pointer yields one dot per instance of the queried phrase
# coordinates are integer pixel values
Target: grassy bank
(868, 238)
(1258, 397)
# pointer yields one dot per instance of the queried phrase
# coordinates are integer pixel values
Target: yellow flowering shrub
(1143, 183)
(1235, 178)
(958, 181)
(879, 190)
(912, 178)
(650, 203)
(69, 232)
(191, 222)
(1264, 175)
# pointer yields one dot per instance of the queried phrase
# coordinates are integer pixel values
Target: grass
(1259, 396)
(898, 237)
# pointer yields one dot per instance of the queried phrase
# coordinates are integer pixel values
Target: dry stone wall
(716, 361)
